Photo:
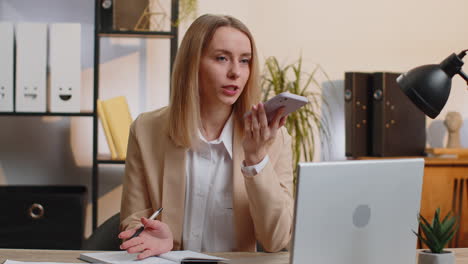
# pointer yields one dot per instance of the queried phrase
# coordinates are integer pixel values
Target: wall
(361, 35)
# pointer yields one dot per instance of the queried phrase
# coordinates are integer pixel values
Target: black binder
(358, 110)
(398, 126)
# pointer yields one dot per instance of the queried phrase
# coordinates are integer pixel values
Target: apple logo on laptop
(361, 215)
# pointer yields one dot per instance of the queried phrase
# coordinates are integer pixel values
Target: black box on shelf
(42, 217)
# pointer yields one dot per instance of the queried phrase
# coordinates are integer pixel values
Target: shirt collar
(225, 137)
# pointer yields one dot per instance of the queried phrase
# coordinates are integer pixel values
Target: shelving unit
(98, 34)
(89, 114)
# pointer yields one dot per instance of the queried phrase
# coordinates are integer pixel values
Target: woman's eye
(247, 61)
(221, 58)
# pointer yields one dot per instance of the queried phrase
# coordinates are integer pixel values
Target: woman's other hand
(154, 240)
(259, 134)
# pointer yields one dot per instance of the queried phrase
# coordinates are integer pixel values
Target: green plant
(187, 10)
(438, 233)
(302, 123)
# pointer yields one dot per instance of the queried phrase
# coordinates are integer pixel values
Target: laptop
(357, 212)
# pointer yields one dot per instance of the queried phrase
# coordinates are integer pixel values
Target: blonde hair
(184, 106)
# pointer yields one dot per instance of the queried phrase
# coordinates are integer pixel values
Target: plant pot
(426, 257)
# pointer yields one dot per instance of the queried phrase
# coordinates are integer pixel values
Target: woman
(224, 180)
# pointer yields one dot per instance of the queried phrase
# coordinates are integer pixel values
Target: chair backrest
(105, 237)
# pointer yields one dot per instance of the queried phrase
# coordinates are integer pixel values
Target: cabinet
(99, 34)
(445, 185)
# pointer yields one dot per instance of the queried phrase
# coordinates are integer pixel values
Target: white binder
(65, 67)
(31, 63)
(6, 67)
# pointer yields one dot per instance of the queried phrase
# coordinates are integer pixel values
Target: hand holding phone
(291, 102)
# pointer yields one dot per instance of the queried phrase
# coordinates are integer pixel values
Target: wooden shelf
(137, 34)
(106, 159)
(460, 153)
(435, 161)
(89, 114)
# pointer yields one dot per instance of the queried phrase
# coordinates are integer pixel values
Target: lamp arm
(463, 74)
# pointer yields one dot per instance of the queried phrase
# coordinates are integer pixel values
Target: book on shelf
(106, 129)
(6, 66)
(172, 257)
(116, 120)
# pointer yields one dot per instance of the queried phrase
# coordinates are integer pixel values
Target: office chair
(105, 236)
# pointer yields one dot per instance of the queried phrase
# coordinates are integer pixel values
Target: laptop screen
(357, 211)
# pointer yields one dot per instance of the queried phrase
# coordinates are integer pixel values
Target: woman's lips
(230, 90)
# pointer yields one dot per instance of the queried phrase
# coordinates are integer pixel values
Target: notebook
(172, 257)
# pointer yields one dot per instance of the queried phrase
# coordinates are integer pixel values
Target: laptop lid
(357, 212)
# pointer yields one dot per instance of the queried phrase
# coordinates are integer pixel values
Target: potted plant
(305, 122)
(435, 236)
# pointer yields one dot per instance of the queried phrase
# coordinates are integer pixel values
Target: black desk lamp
(428, 86)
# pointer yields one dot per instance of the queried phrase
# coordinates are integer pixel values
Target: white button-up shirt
(208, 219)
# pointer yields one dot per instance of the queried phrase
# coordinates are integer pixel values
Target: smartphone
(290, 101)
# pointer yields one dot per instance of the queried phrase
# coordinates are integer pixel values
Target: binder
(65, 67)
(358, 110)
(31, 63)
(399, 127)
(6, 67)
(118, 119)
(107, 132)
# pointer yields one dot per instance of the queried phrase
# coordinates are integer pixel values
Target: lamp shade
(428, 87)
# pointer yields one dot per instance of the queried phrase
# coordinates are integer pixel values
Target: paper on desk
(33, 262)
(172, 257)
(121, 257)
(127, 261)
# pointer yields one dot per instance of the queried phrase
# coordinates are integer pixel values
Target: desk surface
(71, 256)
(461, 255)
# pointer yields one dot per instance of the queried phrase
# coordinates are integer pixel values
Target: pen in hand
(152, 217)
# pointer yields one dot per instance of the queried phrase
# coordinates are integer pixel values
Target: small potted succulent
(436, 235)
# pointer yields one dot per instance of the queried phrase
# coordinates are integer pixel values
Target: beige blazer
(155, 177)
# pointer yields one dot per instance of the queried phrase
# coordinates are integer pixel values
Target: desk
(461, 255)
(71, 256)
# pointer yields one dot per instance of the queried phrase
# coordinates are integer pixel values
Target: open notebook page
(8, 261)
(120, 257)
(189, 256)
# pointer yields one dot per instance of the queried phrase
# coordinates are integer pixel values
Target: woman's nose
(234, 71)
